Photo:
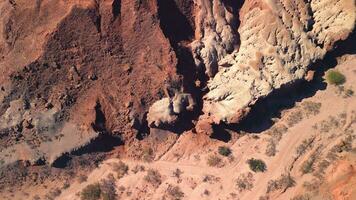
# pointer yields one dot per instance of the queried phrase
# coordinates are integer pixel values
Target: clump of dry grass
(308, 165)
(311, 108)
(214, 161)
(121, 169)
(153, 177)
(174, 192)
(304, 146)
(245, 181)
(276, 133)
(147, 154)
(294, 118)
(283, 183)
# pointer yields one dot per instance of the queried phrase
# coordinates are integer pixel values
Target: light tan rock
(279, 40)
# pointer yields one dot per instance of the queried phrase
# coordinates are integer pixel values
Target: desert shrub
(214, 161)
(147, 154)
(177, 173)
(153, 177)
(302, 197)
(224, 150)
(82, 178)
(311, 108)
(283, 183)
(334, 77)
(121, 169)
(91, 192)
(343, 146)
(257, 165)
(294, 118)
(108, 188)
(245, 182)
(174, 192)
(271, 149)
(349, 93)
(138, 168)
(308, 165)
(66, 185)
(303, 147)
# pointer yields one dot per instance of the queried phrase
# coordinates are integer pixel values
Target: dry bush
(311, 108)
(283, 183)
(343, 146)
(276, 133)
(214, 161)
(331, 123)
(82, 178)
(153, 177)
(174, 192)
(91, 192)
(108, 188)
(294, 118)
(121, 169)
(245, 181)
(308, 165)
(302, 197)
(312, 186)
(177, 173)
(304, 146)
(271, 148)
(147, 154)
(138, 168)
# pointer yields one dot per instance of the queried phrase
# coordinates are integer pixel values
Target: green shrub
(91, 192)
(257, 165)
(335, 77)
(224, 150)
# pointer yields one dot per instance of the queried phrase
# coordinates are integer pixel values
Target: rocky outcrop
(279, 41)
(167, 110)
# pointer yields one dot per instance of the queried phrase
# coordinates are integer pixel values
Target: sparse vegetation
(245, 181)
(108, 188)
(271, 149)
(147, 154)
(302, 197)
(105, 190)
(214, 161)
(334, 77)
(121, 169)
(311, 108)
(294, 118)
(308, 165)
(303, 147)
(91, 192)
(224, 150)
(138, 168)
(174, 192)
(82, 178)
(177, 173)
(257, 165)
(283, 183)
(153, 177)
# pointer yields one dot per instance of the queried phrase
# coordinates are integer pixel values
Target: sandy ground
(338, 183)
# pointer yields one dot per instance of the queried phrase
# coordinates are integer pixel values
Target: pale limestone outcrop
(215, 34)
(279, 40)
(167, 110)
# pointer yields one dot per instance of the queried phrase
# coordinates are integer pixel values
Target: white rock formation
(166, 111)
(279, 40)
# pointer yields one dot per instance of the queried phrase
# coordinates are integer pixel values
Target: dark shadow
(220, 133)
(99, 124)
(142, 128)
(116, 8)
(174, 24)
(102, 144)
